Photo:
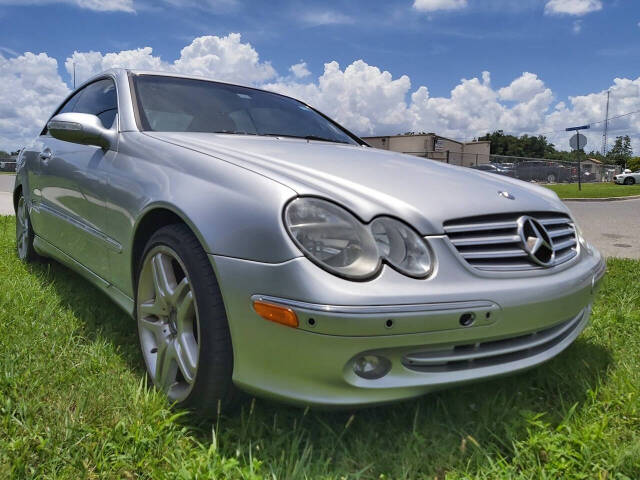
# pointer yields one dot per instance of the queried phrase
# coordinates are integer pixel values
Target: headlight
(337, 241)
(403, 248)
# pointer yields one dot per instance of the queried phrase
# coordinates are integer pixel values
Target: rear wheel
(24, 233)
(629, 181)
(551, 178)
(182, 324)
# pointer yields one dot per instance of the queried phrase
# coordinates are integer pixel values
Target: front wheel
(182, 324)
(24, 233)
(629, 181)
(551, 178)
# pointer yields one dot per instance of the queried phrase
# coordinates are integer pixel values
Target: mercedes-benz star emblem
(505, 194)
(536, 241)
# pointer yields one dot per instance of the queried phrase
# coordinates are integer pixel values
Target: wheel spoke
(158, 329)
(162, 276)
(184, 314)
(166, 367)
(176, 294)
(187, 356)
(153, 308)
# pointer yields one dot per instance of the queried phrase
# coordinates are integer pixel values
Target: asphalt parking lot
(612, 226)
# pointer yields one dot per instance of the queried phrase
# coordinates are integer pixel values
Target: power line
(607, 120)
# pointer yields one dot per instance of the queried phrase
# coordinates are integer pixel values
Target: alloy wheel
(168, 322)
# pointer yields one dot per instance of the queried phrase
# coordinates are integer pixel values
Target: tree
(4, 154)
(524, 146)
(634, 164)
(621, 152)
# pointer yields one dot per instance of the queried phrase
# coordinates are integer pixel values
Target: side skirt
(46, 249)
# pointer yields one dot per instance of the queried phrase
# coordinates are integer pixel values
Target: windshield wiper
(306, 137)
(234, 132)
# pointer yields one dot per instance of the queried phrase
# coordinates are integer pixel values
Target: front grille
(491, 242)
(494, 352)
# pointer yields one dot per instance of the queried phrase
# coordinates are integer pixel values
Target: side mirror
(82, 128)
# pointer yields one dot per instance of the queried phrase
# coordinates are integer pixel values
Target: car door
(71, 183)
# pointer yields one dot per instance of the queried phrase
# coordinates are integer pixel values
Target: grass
(74, 405)
(594, 190)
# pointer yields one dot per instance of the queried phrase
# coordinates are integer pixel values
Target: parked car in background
(494, 168)
(542, 171)
(260, 246)
(627, 177)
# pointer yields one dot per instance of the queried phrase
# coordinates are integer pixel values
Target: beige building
(433, 146)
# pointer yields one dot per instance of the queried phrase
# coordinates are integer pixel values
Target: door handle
(46, 155)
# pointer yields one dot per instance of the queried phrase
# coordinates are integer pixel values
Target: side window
(100, 99)
(67, 107)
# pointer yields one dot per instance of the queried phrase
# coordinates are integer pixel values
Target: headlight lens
(332, 237)
(336, 240)
(403, 248)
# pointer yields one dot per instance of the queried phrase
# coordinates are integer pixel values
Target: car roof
(134, 71)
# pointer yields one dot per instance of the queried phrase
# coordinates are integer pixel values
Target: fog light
(371, 366)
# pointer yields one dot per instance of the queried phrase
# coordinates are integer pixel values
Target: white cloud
(434, 5)
(363, 97)
(130, 5)
(325, 17)
(523, 88)
(300, 70)
(30, 88)
(97, 5)
(91, 63)
(220, 58)
(224, 58)
(572, 7)
(360, 96)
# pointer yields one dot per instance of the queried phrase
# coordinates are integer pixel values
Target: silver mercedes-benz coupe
(262, 247)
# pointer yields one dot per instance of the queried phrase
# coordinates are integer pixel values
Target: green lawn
(73, 404)
(594, 190)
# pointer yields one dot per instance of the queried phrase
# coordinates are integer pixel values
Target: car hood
(373, 182)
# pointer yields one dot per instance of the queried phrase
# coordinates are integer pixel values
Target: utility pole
(606, 127)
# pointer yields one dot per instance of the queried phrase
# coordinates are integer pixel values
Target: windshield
(173, 104)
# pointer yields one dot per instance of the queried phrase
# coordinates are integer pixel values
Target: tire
(551, 178)
(24, 233)
(182, 324)
(629, 181)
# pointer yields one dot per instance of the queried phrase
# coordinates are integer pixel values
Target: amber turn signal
(276, 313)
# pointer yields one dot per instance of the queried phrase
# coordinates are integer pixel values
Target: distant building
(430, 145)
(591, 164)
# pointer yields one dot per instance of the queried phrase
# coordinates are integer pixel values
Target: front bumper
(519, 322)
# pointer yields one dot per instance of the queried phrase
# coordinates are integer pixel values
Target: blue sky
(574, 47)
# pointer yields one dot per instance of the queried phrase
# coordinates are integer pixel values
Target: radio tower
(606, 127)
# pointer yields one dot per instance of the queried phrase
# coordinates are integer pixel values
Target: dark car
(542, 171)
